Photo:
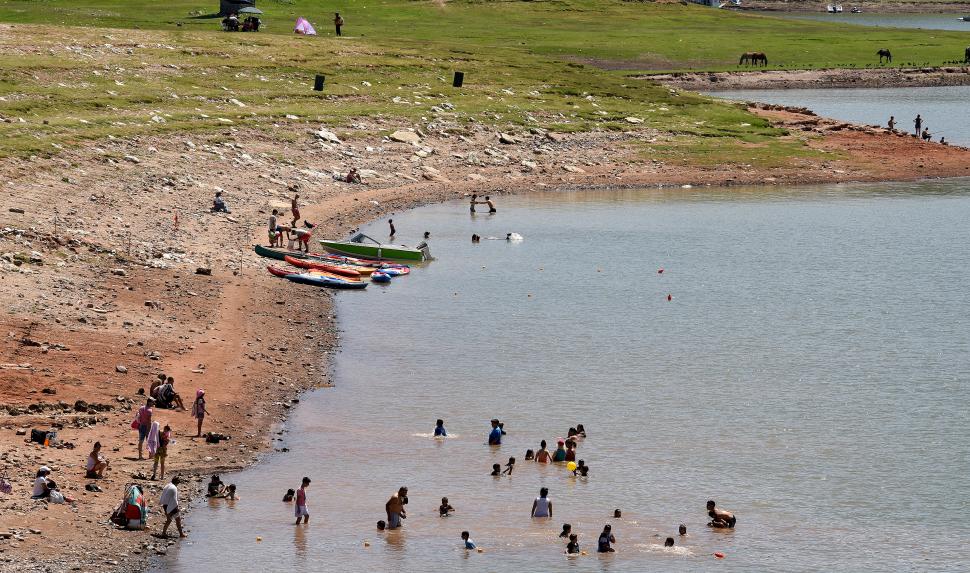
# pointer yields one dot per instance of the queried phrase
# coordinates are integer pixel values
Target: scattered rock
(327, 135)
(552, 136)
(507, 139)
(633, 120)
(403, 136)
(573, 169)
(203, 271)
(118, 272)
(16, 210)
(121, 368)
(132, 159)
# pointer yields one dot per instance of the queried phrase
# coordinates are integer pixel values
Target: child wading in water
(445, 509)
(300, 510)
(198, 409)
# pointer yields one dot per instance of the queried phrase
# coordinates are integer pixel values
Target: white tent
(304, 27)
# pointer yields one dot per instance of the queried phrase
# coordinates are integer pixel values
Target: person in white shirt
(41, 490)
(542, 506)
(170, 505)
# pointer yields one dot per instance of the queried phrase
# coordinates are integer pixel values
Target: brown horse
(753, 58)
(884, 53)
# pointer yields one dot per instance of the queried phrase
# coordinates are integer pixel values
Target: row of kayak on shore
(330, 270)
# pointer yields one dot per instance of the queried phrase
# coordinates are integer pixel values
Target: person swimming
(466, 539)
(566, 530)
(669, 542)
(439, 429)
(445, 509)
(617, 514)
(496, 470)
(542, 455)
(288, 496)
(682, 529)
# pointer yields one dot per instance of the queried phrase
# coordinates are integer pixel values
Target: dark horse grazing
(885, 54)
(754, 58)
(966, 56)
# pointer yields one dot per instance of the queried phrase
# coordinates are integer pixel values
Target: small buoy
(669, 298)
(718, 555)
(540, 268)
(660, 271)
(530, 295)
(367, 544)
(259, 538)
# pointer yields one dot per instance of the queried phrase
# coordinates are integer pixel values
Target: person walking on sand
(198, 409)
(542, 506)
(295, 208)
(300, 509)
(161, 452)
(892, 123)
(143, 422)
(395, 508)
(338, 22)
(919, 124)
(170, 505)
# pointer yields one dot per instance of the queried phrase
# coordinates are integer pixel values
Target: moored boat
(360, 245)
(317, 264)
(317, 278)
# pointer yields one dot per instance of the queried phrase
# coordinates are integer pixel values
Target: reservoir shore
(112, 296)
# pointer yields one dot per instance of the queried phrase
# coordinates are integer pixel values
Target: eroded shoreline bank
(814, 79)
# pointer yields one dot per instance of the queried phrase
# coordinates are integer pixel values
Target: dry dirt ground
(96, 274)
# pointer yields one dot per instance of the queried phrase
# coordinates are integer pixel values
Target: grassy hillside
(611, 33)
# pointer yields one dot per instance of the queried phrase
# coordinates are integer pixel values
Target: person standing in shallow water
(495, 436)
(390, 223)
(300, 508)
(918, 122)
(395, 508)
(542, 506)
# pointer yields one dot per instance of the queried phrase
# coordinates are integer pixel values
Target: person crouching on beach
(300, 509)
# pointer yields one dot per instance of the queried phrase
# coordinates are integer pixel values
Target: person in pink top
(198, 409)
(143, 422)
(300, 509)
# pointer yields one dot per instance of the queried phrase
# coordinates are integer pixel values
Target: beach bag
(56, 496)
(38, 436)
(5, 485)
(134, 424)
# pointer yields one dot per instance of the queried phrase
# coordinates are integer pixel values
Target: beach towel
(304, 27)
(152, 441)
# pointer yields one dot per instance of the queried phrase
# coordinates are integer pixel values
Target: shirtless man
(491, 206)
(542, 454)
(395, 508)
(720, 518)
(295, 208)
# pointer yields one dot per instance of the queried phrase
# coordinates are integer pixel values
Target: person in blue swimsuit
(439, 429)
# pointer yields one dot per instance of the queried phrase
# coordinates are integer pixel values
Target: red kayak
(319, 265)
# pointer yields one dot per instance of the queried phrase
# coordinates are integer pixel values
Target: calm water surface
(943, 108)
(810, 373)
(924, 21)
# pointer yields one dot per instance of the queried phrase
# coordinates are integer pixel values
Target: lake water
(924, 21)
(810, 373)
(943, 108)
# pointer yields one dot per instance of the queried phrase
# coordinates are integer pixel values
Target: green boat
(360, 245)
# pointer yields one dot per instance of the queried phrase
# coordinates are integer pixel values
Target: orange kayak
(321, 266)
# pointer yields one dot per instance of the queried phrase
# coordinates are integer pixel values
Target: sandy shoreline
(100, 277)
(813, 79)
(867, 6)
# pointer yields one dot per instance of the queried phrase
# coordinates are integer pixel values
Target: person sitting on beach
(168, 397)
(439, 429)
(606, 539)
(215, 487)
(496, 470)
(495, 435)
(509, 466)
(572, 547)
(353, 176)
(559, 455)
(720, 518)
(97, 463)
(542, 506)
(465, 537)
(669, 542)
(566, 530)
(395, 508)
(42, 489)
(288, 496)
(219, 204)
(153, 389)
(926, 134)
(542, 454)
(445, 509)
(529, 455)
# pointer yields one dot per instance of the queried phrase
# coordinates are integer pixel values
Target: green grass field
(87, 70)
